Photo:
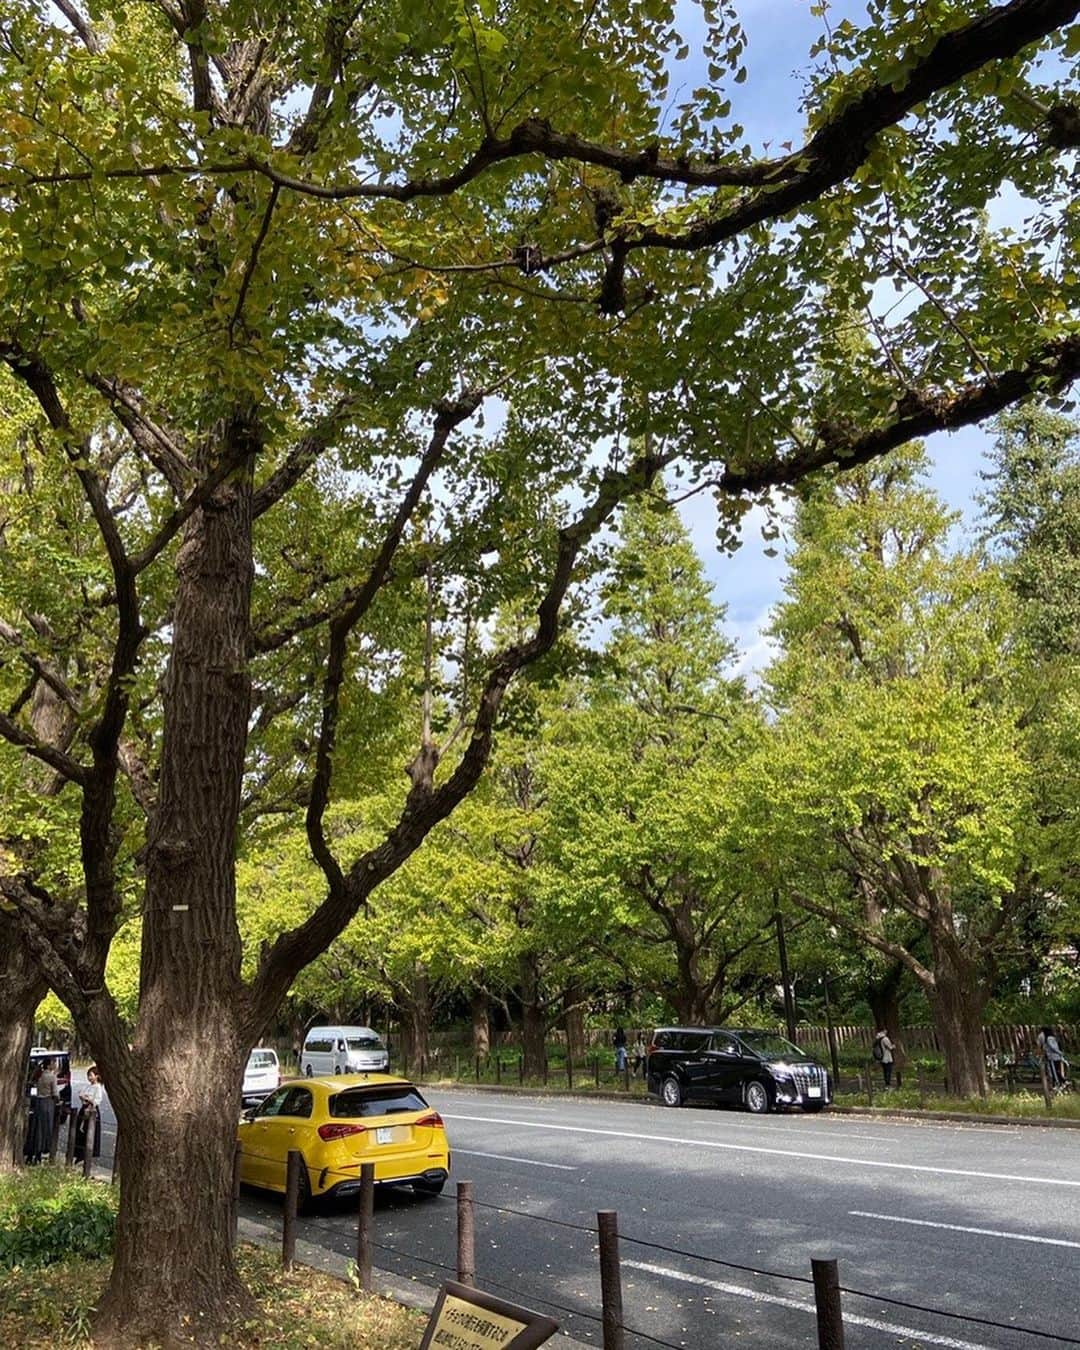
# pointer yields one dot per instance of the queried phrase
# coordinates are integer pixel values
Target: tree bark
(574, 1022)
(481, 1023)
(416, 1019)
(21, 990)
(532, 1019)
(958, 1001)
(883, 995)
(177, 1094)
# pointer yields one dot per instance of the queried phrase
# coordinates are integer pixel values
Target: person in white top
(883, 1053)
(89, 1113)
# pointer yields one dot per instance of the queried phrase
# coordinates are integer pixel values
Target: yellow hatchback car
(339, 1123)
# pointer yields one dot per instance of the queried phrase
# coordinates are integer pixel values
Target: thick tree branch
(447, 418)
(789, 181)
(876, 940)
(1048, 370)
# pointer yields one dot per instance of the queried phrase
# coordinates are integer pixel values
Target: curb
(883, 1112)
(409, 1293)
(963, 1117)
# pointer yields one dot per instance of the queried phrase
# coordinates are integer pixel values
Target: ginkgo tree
(265, 267)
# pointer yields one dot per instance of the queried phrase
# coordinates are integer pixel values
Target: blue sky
(780, 34)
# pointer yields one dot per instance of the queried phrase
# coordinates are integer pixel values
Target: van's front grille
(808, 1076)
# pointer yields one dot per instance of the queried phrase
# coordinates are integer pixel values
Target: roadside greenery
(49, 1215)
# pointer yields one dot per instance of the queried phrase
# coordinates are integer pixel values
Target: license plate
(384, 1135)
(813, 1092)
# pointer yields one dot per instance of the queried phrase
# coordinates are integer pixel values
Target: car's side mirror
(248, 1114)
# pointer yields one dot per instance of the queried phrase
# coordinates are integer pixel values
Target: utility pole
(785, 974)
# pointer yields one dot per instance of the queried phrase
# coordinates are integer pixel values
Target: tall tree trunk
(574, 1022)
(21, 990)
(416, 1019)
(688, 997)
(958, 1001)
(532, 1020)
(177, 1094)
(481, 1022)
(883, 995)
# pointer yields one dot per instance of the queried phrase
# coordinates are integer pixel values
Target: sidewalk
(410, 1293)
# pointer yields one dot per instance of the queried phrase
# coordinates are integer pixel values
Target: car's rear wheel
(756, 1097)
(671, 1092)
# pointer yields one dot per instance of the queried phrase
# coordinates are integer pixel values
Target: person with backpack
(883, 1053)
(1055, 1060)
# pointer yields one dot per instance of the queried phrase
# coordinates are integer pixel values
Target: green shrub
(47, 1215)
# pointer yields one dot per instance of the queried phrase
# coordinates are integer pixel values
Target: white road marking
(961, 1228)
(799, 1305)
(506, 1157)
(775, 1152)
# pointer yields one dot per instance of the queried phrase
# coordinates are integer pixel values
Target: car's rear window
(375, 1101)
(262, 1059)
(365, 1043)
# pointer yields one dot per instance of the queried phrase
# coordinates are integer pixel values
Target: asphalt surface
(721, 1212)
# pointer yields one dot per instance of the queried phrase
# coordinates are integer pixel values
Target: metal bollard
(521, 1068)
(466, 1235)
(922, 1084)
(569, 1071)
(478, 1068)
(90, 1141)
(364, 1226)
(830, 1315)
(237, 1163)
(498, 1069)
(288, 1223)
(54, 1142)
(607, 1222)
(596, 1069)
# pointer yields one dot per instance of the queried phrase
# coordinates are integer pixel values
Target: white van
(343, 1050)
(262, 1074)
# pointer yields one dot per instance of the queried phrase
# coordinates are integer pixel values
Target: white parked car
(262, 1075)
(342, 1050)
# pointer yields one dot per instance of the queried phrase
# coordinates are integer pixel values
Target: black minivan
(759, 1069)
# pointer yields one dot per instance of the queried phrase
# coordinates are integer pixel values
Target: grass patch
(1016, 1104)
(41, 1309)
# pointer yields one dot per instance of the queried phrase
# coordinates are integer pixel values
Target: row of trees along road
(907, 772)
(263, 273)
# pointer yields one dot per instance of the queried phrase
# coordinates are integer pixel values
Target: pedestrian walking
(619, 1042)
(883, 1053)
(90, 1099)
(43, 1112)
(640, 1055)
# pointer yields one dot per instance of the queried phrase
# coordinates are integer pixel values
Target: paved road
(982, 1221)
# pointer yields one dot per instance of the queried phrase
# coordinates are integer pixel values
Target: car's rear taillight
(327, 1133)
(432, 1121)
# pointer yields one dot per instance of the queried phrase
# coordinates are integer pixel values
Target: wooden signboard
(469, 1319)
